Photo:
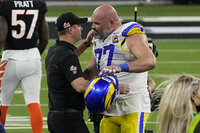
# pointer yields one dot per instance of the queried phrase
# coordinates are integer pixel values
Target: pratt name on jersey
(23, 3)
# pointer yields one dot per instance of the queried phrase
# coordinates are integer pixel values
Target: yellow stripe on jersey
(134, 31)
(131, 32)
(90, 86)
(109, 96)
(137, 30)
(125, 51)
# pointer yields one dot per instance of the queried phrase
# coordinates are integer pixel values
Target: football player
(122, 49)
(22, 23)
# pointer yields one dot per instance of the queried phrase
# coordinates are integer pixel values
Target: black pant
(97, 119)
(66, 122)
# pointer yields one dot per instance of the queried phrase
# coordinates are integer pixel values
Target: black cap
(66, 20)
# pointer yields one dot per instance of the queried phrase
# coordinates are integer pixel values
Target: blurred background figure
(155, 100)
(151, 85)
(155, 95)
(178, 106)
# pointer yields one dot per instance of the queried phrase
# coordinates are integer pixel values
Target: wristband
(124, 67)
(86, 44)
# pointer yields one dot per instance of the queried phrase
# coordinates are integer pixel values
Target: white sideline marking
(89, 123)
(28, 127)
(179, 50)
(173, 30)
(18, 119)
(168, 75)
(152, 122)
(171, 19)
(20, 105)
(21, 122)
(18, 92)
(18, 125)
(178, 62)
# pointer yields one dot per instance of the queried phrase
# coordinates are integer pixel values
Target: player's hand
(124, 88)
(89, 37)
(111, 69)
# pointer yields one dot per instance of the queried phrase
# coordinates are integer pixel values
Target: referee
(65, 79)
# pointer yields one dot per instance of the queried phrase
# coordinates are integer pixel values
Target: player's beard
(102, 35)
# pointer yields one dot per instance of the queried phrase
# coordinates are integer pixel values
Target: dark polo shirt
(62, 67)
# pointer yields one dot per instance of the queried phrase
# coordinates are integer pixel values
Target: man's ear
(70, 29)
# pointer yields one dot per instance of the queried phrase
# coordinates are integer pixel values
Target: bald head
(107, 14)
(106, 11)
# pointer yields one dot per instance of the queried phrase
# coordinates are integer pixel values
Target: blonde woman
(177, 110)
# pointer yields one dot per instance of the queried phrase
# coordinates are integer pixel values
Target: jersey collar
(64, 43)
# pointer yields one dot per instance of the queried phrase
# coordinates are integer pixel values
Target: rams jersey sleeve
(132, 29)
(23, 18)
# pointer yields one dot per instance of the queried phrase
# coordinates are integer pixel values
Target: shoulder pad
(132, 29)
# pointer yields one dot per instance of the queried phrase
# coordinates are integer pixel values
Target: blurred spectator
(155, 100)
(155, 95)
(178, 106)
(151, 85)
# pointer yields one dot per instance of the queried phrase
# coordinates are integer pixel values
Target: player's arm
(145, 61)
(137, 44)
(43, 35)
(91, 70)
(3, 31)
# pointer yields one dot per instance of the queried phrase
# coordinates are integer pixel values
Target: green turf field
(175, 57)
